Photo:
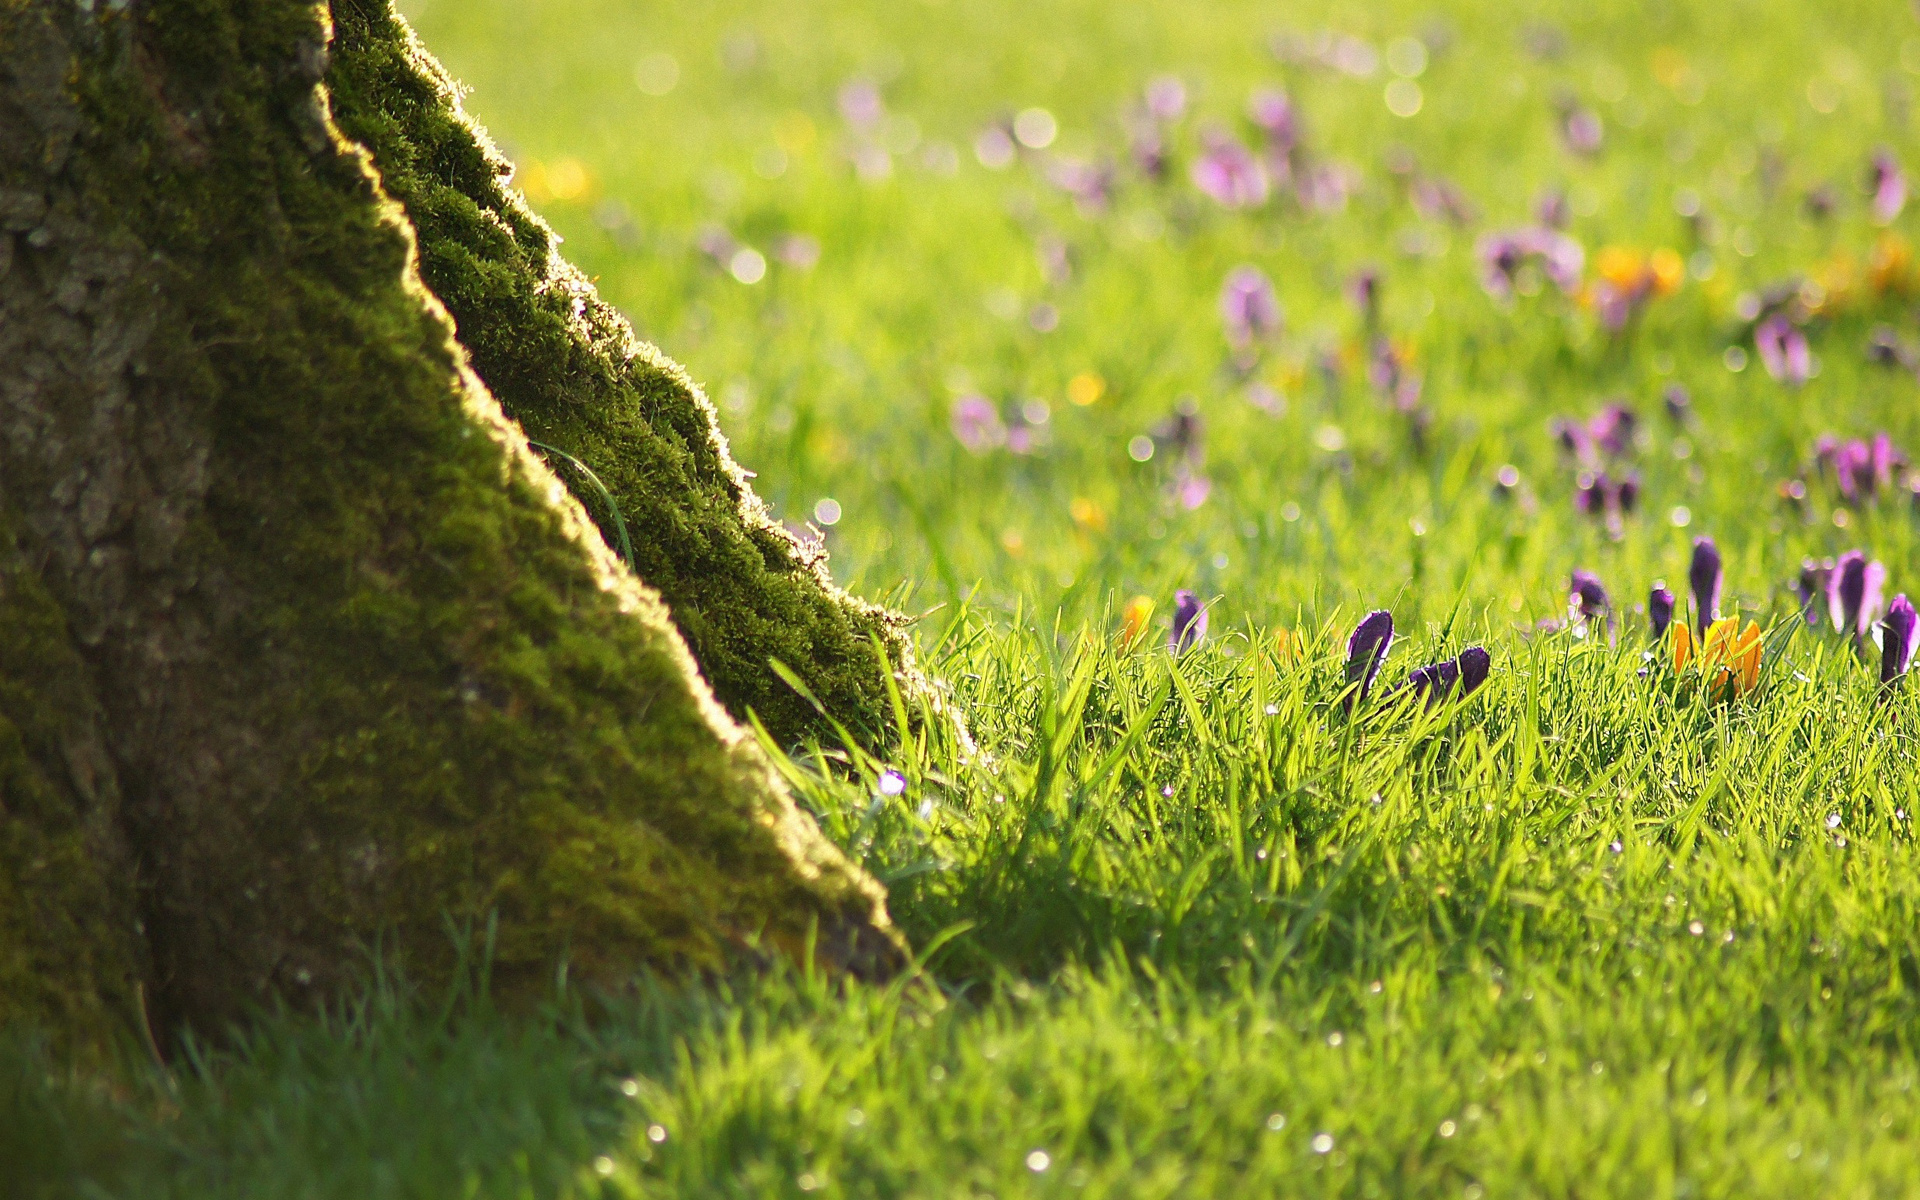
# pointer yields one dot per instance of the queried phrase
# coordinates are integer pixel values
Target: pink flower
(1230, 174)
(1249, 306)
(1783, 350)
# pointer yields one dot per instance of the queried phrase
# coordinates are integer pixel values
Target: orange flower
(1134, 618)
(1287, 647)
(1891, 264)
(1621, 267)
(1729, 660)
(1667, 269)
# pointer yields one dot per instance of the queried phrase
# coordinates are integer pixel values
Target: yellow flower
(1619, 266)
(1134, 618)
(1729, 660)
(1086, 388)
(1088, 514)
(1287, 647)
(1891, 264)
(1668, 270)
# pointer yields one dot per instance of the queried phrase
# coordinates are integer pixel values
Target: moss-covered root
(571, 371)
(360, 665)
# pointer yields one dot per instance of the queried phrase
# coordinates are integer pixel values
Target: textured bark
(305, 650)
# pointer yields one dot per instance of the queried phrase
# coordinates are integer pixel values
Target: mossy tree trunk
(301, 648)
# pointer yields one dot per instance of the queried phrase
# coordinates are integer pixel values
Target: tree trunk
(302, 649)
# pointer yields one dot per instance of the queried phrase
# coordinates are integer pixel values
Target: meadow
(1042, 313)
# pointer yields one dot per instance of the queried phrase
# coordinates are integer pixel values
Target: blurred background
(980, 290)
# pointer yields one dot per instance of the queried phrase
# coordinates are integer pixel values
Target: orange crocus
(1728, 658)
(1134, 618)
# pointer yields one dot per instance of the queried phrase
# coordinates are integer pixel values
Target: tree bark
(302, 650)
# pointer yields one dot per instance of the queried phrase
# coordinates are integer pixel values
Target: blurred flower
(1728, 657)
(1189, 622)
(1783, 350)
(976, 422)
(1089, 183)
(861, 105)
(1899, 637)
(1192, 490)
(1890, 265)
(1678, 402)
(1819, 202)
(1183, 433)
(1249, 306)
(1503, 257)
(1273, 112)
(1854, 594)
(1887, 348)
(1887, 184)
(1324, 187)
(1438, 200)
(1627, 279)
(1552, 209)
(1228, 173)
(1587, 599)
(1364, 290)
(1166, 97)
(1134, 619)
(1704, 578)
(1861, 469)
(1659, 611)
(1367, 648)
(1612, 429)
(1288, 647)
(1148, 148)
(798, 250)
(1816, 577)
(1580, 127)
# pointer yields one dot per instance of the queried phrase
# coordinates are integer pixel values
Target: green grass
(1583, 934)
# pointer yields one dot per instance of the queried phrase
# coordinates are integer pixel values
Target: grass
(1187, 927)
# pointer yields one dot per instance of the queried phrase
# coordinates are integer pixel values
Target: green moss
(421, 689)
(569, 368)
(68, 958)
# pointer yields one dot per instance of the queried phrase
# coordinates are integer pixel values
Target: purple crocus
(1366, 650)
(1704, 578)
(976, 422)
(1467, 672)
(1273, 111)
(1249, 306)
(1816, 577)
(1783, 350)
(1899, 638)
(1189, 622)
(1854, 592)
(1587, 598)
(1166, 97)
(1364, 290)
(1229, 173)
(1888, 183)
(1678, 401)
(1659, 611)
(1612, 428)
(1581, 129)
(1503, 255)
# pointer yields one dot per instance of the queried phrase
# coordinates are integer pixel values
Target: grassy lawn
(1193, 924)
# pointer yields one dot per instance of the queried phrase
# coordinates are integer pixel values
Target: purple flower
(1503, 255)
(1552, 209)
(1783, 350)
(1468, 672)
(1816, 577)
(1273, 111)
(1166, 97)
(1475, 665)
(1587, 598)
(860, 103)
(1364, 290)
(1678, 401)
(1249, 306)
(1149, 150)
(1439, 200)
(1899, 637)
(1325, 187)
(1089, 183)
(1704, 577)
(1853, 593)
(1888, 183)
(1580, 128)
(976, 422)
(1659, 611)
(1612, 428)
(1189, 622)
(1366, 650)
(1229, 173)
